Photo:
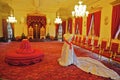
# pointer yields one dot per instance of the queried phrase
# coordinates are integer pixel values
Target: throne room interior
(35, 21)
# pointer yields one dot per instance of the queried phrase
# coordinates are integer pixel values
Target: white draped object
(118, 31)
(91, 24)
(87, 64)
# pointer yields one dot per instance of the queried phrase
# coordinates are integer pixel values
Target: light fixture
(11, 18)
(80, 10)
(58, 20)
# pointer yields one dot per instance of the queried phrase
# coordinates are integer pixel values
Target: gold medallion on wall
(106, 20)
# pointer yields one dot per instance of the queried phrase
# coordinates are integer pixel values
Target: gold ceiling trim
(36, 14)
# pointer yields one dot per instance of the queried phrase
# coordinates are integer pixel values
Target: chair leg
(100, 55)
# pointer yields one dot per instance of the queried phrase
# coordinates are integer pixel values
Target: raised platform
(25, 55)
(14, 58)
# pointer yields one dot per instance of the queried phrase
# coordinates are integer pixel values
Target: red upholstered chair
(96, 42)
(116, 51)
(114, 47)
(83, 42)
(102, 47)
(73, 39)
(78, 42)
(76, 39)
(95, 46)
(89, 44)
(116, 57)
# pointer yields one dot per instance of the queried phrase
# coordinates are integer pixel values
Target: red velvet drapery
(63, 26)
(4, 28)
(115, 20)
(56, 26)
(69, 25)
(36, 19)
(97, 18)
(78, 22)
(88, 23)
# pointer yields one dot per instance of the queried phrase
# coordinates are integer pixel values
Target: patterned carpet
(48, 68)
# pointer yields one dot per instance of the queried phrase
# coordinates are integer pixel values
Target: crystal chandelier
(80, 10)
(11, 19)
(58, 20)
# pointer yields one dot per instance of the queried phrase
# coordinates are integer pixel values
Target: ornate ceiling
(52, 6)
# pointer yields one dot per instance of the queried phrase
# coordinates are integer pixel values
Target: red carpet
(48, 68)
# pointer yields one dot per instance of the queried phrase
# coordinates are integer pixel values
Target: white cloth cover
(87, 64)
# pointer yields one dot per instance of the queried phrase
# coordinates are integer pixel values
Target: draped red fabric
(97, 18)
(88, 23)
(57, 26)
(115, 20)
(4, 28)
(80, 24)
(63, 27)
(70, 24)
(36, 19)
(76, 21)
(12, 25)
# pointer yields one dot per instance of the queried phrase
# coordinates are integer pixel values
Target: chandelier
(58, 20)
(80, 10)
(11, 18)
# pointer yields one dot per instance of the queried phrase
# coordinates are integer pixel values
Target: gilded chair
(89, 43)
(73, 39)
(30, 32)
(78, 41)
(83, 42)
(95, 46)
(116, 54)
(102, 47)
(42, 33)
(114, 47)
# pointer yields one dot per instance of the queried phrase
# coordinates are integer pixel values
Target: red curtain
(115, 20)
(88, 22)
(63, 27)
(12, 25)
(4, 28)
(70, 25)
(80, 24)
(97, 18)
(57, 26)
(76, 19)
(36, 19)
